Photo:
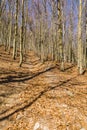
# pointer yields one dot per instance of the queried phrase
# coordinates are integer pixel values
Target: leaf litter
(49, 100)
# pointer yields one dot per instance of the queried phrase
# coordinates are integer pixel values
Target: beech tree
(80, 42)
(60, 33)
(10, 25)
(16, 31)
(22, 35)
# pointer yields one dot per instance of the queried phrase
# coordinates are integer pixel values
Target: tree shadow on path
(25, 77)
(11, 111)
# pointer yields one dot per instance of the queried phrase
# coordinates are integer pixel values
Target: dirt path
(39, 95)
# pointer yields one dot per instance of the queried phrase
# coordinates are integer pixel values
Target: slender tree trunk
(10, 27)
(16, 32)
(60, 34)
(22, 35)
(80, 45)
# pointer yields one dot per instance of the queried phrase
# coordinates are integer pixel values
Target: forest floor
(40, 96)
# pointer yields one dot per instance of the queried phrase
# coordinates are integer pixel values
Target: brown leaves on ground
(40, 95)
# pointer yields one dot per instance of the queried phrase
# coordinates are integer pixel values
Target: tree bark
(60, 34)
(80, 45)
(16, 32)
(22, 36)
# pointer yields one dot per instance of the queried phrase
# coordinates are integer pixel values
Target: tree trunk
(80, 45)
(22, 35)
(16, 32)
(10, 27)
(60, 34)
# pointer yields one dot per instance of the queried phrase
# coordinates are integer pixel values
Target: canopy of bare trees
(53, 29)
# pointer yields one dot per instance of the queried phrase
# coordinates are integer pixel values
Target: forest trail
(39, 92)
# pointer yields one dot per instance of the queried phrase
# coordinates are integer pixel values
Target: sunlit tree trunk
(16, 32)
(22, 35)
(71, 35)
(2, 37)
(25, 44)
(60, 34)
(10, 28)
(80, 45)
